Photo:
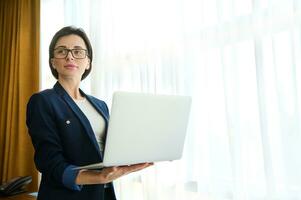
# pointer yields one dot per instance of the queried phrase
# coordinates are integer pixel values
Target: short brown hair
(70, 30)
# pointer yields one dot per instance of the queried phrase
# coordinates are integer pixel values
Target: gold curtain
(19, 79)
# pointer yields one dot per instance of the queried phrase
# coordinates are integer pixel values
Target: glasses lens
(78, 53)
(60, 53)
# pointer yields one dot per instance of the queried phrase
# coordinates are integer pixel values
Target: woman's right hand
(108, 174)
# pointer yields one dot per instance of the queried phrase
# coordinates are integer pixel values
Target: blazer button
(68, 122)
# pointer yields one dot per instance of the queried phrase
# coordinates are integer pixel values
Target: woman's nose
(69, 55)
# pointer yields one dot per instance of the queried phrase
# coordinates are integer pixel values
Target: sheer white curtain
(239, 60)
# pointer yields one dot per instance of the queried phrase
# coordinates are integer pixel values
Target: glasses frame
(70, 50)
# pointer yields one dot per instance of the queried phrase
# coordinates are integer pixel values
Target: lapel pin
(68, 122)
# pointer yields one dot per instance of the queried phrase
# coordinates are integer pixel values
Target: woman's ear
(88, 65)
(52, 63)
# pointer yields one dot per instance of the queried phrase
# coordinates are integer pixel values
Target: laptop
(144, 128)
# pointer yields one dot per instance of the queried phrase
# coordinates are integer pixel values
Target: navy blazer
(63, 138)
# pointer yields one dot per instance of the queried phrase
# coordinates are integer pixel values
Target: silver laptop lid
(146, 128)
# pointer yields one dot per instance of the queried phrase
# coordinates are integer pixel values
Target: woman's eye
(76, 52)
(61, 51)
(79, 52)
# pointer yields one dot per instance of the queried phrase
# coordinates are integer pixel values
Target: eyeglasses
(76, 53)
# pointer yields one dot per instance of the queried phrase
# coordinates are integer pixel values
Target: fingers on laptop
(112, 173)
(136, 167)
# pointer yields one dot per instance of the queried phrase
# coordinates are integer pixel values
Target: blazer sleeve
(49, 159)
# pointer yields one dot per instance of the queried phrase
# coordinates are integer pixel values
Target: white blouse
(96, 120)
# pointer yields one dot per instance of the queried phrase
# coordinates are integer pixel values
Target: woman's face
(70, 65)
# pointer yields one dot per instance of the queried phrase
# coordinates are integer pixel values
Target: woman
(68, 127)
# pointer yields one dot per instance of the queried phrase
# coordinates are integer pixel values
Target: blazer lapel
(80, 115)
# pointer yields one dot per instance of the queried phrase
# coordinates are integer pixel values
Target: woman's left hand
(108, 174)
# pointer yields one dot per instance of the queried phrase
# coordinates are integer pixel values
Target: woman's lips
(70, 66)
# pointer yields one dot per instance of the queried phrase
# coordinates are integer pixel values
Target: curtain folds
(19, 78)
(239, 60)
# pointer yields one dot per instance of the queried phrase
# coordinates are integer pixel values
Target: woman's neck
(72, 88)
